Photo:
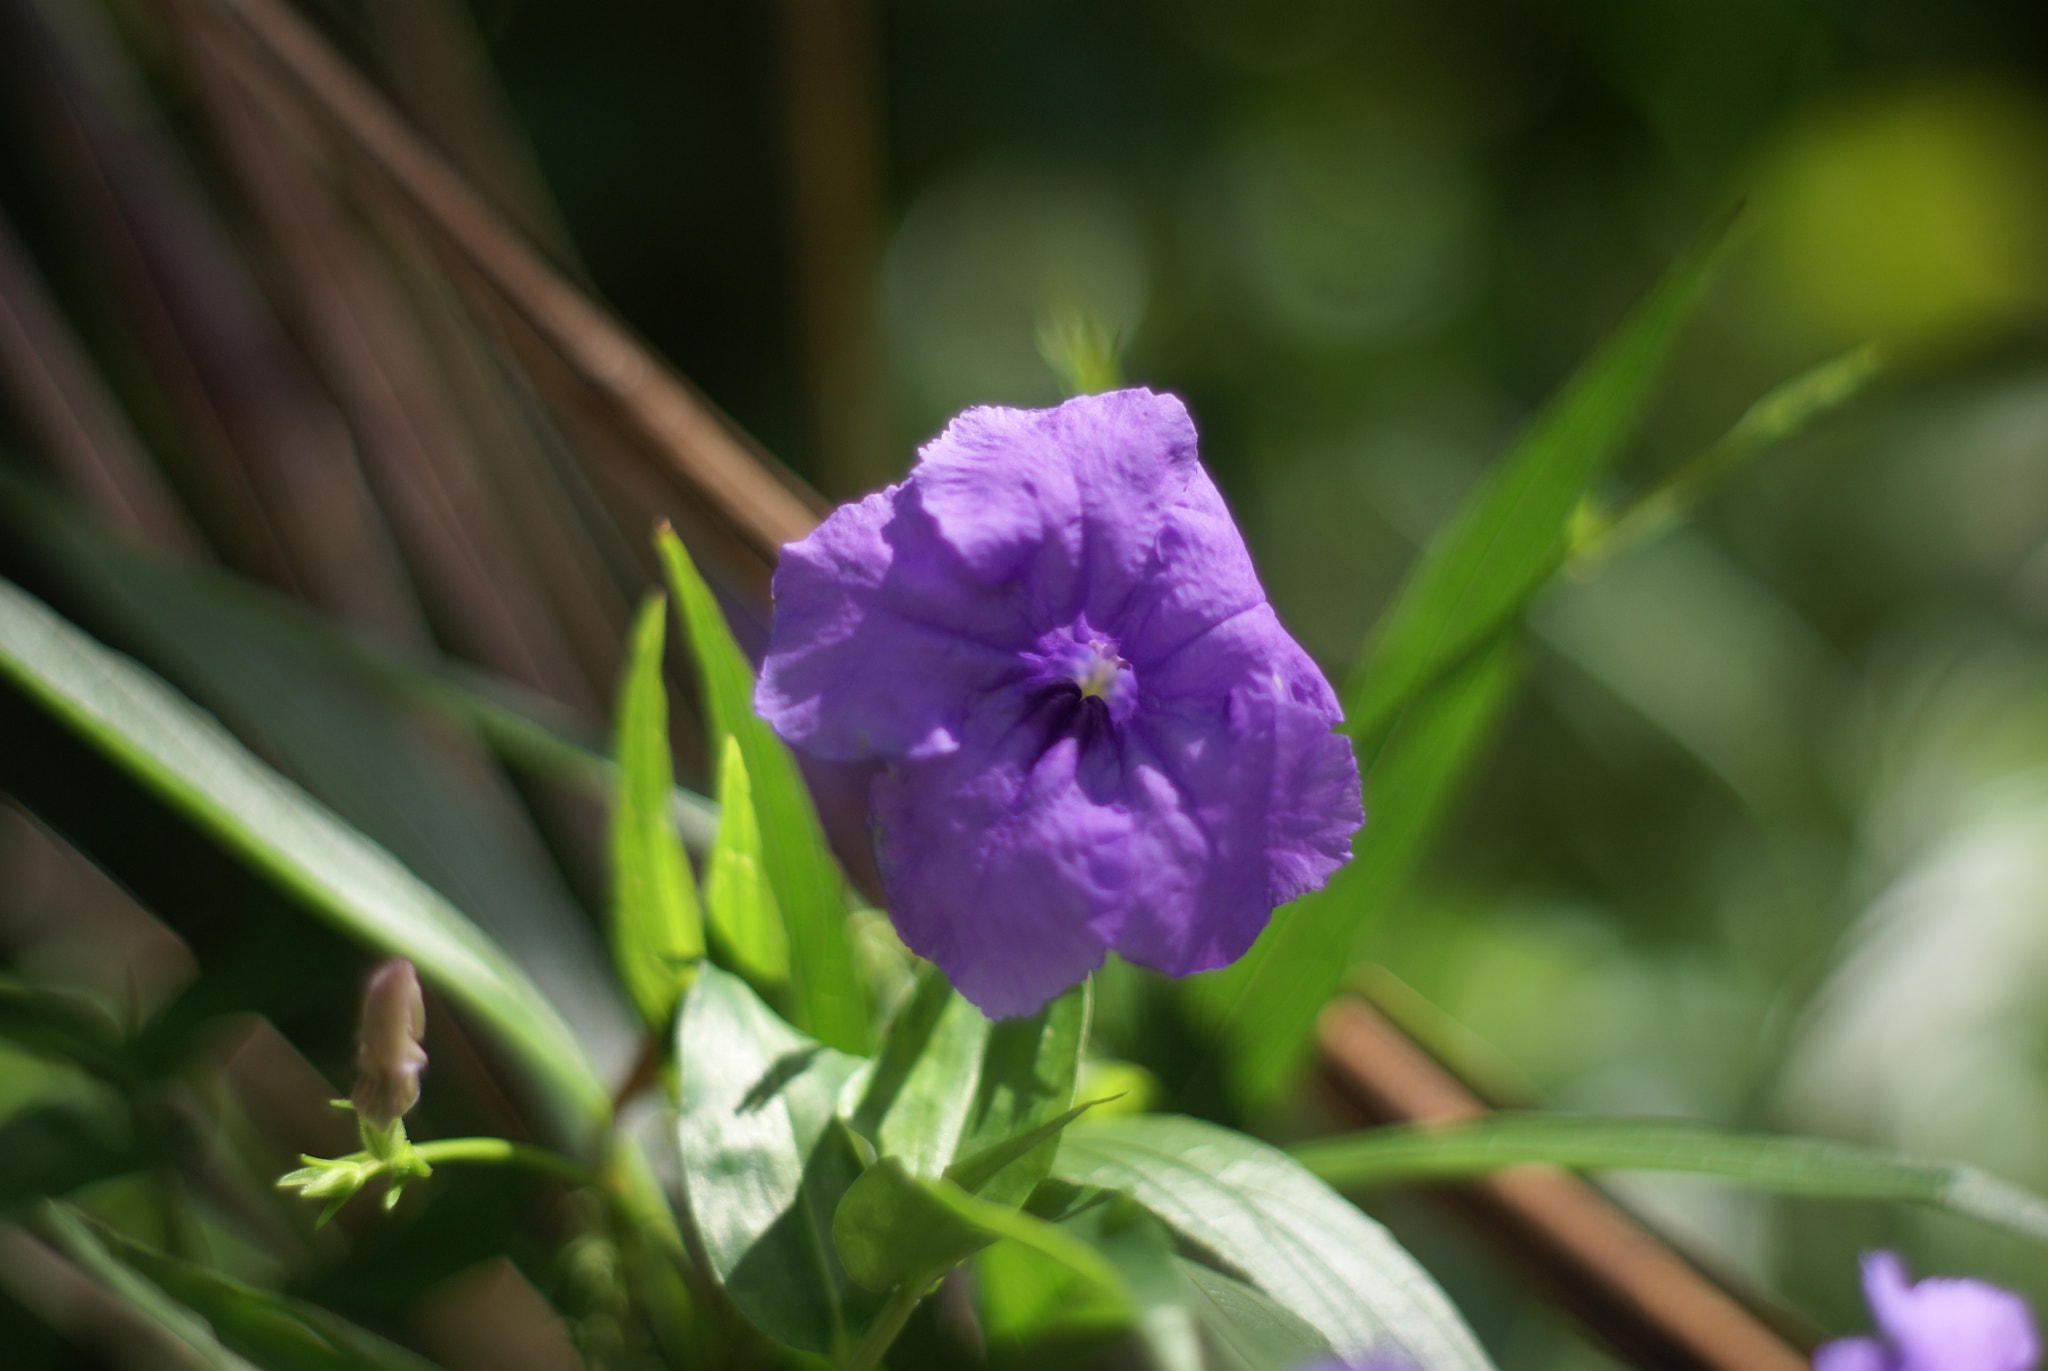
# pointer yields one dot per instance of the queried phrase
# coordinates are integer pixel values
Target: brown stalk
(833, 134)
(262, 458)
(76, 424)
(1629, 1288)
(647, 399)
(483, 596)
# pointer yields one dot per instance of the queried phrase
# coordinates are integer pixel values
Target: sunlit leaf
(745, 920)
(1792, 1165)
(205, 774)
(765, 1162)
(657, 933)
(826, 996)
(1293, 1237)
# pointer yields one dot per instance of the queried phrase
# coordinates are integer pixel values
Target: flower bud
(388, 1054)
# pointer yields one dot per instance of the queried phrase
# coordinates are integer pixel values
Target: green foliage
(1296, 1239)
(657, 934)
(746, 923)
(826, 997)
(765, 1162)
(1791, 1165)
(203, 772)
(1435, 673)
(206, 1310)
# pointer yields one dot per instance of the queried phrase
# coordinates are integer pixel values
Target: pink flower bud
(388, 1054)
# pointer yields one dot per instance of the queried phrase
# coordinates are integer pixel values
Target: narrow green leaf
(204, 773)
(765, 1162)
(745, 919)
(893, 1227)
(973, 1173)
(657, 933)
(826, 995)
(1293, 1237)
(1141, 1250)
(1506, 537)
(1793, 1165)
(180, 1327)
(278, 1333)
(294, 690)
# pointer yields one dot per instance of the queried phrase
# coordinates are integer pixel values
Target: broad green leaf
(187, 1336)
(826, 994)
(1267, 1003)
(204, 773)
(657, 934)
(948, 1085)
(894, 1227)
(276, 1332)
(1286, 1232)
(765, 1162)
(300, 695)
(1141, 1250)
(745, 920)
(1794, 1165)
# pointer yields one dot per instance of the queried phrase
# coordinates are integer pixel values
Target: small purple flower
(1098, 735)
(1939, 1324)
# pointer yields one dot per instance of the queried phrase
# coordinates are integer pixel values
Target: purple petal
(1233, 814)
(997, 863)
(1853, 1354)
(1066, 503)
(882, 641)
(1949, 1324)
(1199, 576)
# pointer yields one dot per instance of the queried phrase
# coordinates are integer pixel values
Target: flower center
(1100, 671)
(1081, 684)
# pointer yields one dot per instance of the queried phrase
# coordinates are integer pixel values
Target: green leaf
(894, 1227)
(180, 1327)
(827, 999)
(293, 690)
(948, 1085)
(657, 934)
(1246, 1330)
(204, 773)
(1286, 1232)
(765, 1162)
(972, 1173)
(1794, 1165)
(745, 920)
(276, 1332)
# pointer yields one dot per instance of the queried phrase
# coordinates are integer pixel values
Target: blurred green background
(1765, 838)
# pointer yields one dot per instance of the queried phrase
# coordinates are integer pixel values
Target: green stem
(504, 1152)
(882, 1332)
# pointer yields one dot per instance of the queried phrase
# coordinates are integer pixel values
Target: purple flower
(1935, 1325)
(1098, 735)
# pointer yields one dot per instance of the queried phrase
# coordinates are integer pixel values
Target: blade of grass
(1407, 1154)
(657, 929)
